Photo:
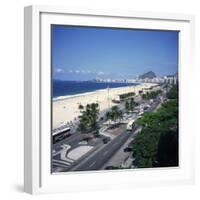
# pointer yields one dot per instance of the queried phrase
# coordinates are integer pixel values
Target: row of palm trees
(126, 95)
(130, 105)
(114, 114)
(88, 120)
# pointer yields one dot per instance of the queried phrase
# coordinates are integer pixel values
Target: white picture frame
(37, 137)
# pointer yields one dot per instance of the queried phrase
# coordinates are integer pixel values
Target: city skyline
(85, 53)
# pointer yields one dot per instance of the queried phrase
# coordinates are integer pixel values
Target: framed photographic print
(106, 99)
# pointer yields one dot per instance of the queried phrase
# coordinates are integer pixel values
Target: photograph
(114, 98)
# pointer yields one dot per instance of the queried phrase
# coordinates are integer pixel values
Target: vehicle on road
(130, 125)
(106, 140)
(146, 107)
(110, 167)
(83, 142)
(61, 134)
(128, 149)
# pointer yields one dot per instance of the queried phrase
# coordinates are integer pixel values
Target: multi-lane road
(99, 158)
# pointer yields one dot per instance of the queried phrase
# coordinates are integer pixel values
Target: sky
(85, 53)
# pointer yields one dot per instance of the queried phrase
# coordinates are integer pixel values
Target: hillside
(148, 75)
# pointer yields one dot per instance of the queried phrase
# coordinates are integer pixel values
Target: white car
(83, 142)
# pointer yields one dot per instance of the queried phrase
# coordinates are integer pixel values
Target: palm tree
(88, 118)
(116, 113)
(94, 109)
(108, 115)
(127, 106)
(132, 104)
(120, 114)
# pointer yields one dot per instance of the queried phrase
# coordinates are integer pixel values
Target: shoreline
(58, 98)
(65, 109)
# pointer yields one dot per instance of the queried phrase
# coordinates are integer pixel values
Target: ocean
(63, 89)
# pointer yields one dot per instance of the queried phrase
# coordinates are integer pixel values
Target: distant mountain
(148, 75)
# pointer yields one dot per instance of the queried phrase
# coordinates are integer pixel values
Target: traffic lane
(153, 107)
(101, 157)
(109, 151)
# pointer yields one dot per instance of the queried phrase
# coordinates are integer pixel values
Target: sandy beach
(66, 110)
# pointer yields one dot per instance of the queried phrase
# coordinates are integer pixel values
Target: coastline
(57, 98)
(65, 108)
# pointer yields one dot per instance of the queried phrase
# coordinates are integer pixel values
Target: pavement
(103, 131)
(78, 152)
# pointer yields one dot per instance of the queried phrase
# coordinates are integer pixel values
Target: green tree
(151, 95)
(130, 104)
(114, 114)
(80, 107)
(127, 106)
(173, 93)
(88, 118)
(126, 95)
(157, 143)
(94, 116)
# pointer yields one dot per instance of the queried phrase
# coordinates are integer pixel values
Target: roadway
(96, 161)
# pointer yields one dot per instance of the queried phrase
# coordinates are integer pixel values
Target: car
(106, 140)
(101, 118)
(145, 108)
(98, 136)
(131, 143)
(83, 142)
(110, 167)
(127, 149)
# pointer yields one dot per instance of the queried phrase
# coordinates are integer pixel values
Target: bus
(130, 125)
(61, 134)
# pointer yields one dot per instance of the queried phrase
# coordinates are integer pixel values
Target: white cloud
(77, 71)
(59, 70)
(100, 73)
